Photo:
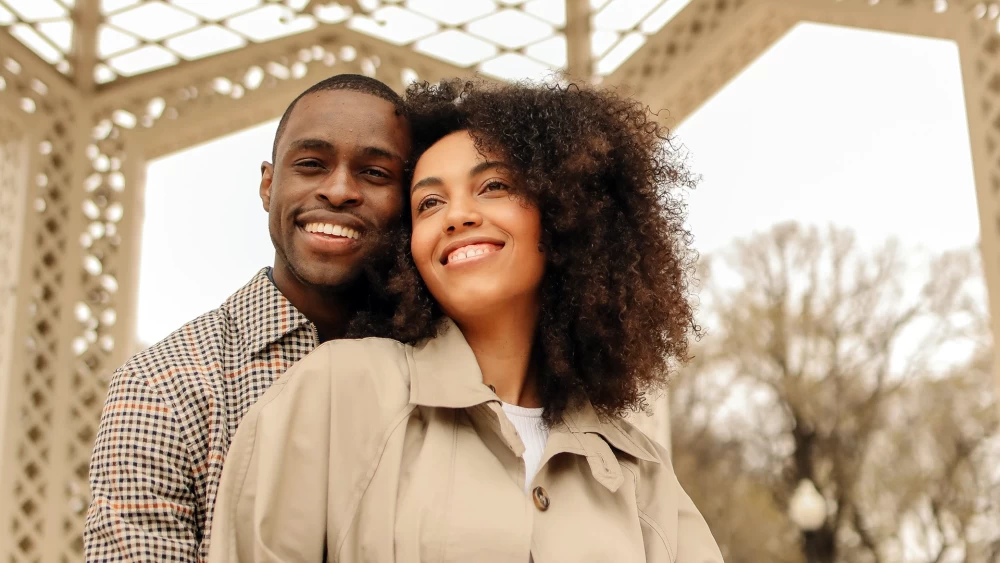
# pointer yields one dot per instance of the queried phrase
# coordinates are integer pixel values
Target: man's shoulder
(199, 346)
(191, 345)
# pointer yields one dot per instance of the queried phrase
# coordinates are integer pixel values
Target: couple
(533, 291)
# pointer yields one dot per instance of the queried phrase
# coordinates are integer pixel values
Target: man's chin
(338, 282)
(329, 276)
(367, 265)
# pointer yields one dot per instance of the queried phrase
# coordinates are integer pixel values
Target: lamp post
(808, 511)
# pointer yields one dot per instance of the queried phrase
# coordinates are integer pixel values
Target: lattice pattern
(181, 114)
(139, 36)
(81, 191)
(45, 26)
(705, 45)
(96, 312)
(45, 257)
(982, 77)
(12, 166)
(13, 163)
(501, 38)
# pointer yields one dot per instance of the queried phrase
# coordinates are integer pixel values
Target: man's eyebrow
(320, 144)
(309, 144)
(381, 153)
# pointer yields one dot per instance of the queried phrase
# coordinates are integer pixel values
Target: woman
(545, 286)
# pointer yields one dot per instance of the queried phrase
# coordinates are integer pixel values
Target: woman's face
(475, 245)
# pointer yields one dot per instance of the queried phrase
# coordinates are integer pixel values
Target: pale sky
(832, 125)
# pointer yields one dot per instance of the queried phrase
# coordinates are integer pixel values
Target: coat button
(541, 499)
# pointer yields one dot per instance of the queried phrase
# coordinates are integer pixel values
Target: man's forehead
(345, 104)
(335, 114)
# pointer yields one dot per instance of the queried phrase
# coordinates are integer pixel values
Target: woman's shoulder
(346, 359)
(651, 450)
(365, 351)
(648, 461)
(368, 371)
(669, 517)
(371, 344)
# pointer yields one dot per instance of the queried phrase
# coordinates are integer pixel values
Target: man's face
(335, 187)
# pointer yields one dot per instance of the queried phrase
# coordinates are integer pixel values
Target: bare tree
(828, 365)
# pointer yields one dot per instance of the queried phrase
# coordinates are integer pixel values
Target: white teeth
(471, 251)
(334, 230)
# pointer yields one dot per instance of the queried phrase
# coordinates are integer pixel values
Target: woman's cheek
(421, 248)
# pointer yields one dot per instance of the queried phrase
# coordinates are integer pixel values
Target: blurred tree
(856, 373)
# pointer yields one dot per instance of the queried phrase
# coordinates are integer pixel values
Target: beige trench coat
(374, 451)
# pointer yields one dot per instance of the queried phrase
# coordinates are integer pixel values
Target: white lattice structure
(91, 89)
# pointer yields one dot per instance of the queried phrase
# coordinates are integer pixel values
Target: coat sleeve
(143, 506)
(673, 530)
(695, 543)
(303, 454)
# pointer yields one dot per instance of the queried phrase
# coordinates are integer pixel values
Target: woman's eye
(427, 203)
(494, 185)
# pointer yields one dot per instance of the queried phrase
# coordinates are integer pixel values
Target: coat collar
(446, 375)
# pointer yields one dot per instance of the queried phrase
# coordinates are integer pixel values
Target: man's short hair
(353, 82)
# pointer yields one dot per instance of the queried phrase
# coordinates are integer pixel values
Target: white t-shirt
(534, 434)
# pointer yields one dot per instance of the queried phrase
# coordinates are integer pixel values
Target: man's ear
(266, 176)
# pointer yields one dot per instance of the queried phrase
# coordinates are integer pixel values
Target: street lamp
(807, 507)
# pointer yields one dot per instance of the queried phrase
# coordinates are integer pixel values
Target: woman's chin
(473, 311)
(491, 310)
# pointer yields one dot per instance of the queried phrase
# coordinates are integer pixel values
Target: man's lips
(332, 229)
(331, 223)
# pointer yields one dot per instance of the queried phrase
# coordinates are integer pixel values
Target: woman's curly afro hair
(615, 312)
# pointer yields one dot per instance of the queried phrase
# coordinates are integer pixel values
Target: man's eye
(376, 172)
(309, 164)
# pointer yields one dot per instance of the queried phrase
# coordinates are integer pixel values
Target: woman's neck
(502, 344)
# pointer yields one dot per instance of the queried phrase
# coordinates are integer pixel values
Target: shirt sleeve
(141, 479)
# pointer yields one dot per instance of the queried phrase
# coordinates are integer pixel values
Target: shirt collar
(263, 315)
(447, 375)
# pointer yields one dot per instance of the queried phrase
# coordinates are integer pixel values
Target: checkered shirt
(170, 414)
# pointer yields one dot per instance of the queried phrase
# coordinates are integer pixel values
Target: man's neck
(330, 311)
(502, 344)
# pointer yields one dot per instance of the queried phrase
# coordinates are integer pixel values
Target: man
(334, 190)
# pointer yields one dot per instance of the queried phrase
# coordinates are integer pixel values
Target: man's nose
(341, 189)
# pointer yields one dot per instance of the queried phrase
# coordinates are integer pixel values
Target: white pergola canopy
(92, 89)
(102, 41)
